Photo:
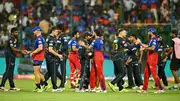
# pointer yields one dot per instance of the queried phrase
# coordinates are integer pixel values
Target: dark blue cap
(36, 28)
(152, 30)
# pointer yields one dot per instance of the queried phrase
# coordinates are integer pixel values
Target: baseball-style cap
(152, 30)
(36, 28)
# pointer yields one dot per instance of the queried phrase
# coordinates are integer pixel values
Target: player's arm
(16, 49)
(54, 52)
(86, 46)
(152, 48)
(40, 47)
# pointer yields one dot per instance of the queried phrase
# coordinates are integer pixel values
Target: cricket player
(175, 62)
(52, 58)
(10, 56)
(151, 62)
(133, 66)
(85, 56)
(162, 58)
(62, 47)
(97, 68)
(75, 66)
(38, 57)
(120, 44)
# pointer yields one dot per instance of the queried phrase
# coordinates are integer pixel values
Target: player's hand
(142, 49)
(31, 54)
(81, 43)
(60, 56)
(128, 60)
(24, 52)
(144, 45)
(138, 42)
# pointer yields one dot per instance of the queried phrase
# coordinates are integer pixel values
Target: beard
(16, 36)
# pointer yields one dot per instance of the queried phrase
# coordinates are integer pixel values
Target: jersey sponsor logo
(50, 44)
(74, 44)
(123, 42)
(39, 42)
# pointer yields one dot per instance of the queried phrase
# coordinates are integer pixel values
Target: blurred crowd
(84, 15)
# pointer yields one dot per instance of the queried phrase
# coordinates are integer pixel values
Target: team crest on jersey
(10, 41)
(123, 42)
(39, 38)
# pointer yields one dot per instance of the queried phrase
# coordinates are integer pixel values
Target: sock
(38, 85)
(45, 83)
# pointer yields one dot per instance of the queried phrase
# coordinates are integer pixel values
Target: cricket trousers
(85, 73)
(150, 68)
(97, 71)
(133, 71)
(49, 62)
(75, 68)
(161, 73)
(9, 73)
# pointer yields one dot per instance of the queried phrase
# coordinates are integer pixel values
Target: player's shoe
(93, 90)
(56, 90)
(141, 91)
(101, 91)
(45, 88)
(4, 89)
(38, 90)
(80, 91)
(14, 89)
(159, 91)
(173, 88)
(62, 88)
(113, 88)
(124, 90)
(166, 87)
(125, 84)
(135, 88)
(154, 87)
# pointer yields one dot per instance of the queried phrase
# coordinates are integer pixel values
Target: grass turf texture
(27, 86)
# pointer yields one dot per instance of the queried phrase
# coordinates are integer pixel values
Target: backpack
(177, 47)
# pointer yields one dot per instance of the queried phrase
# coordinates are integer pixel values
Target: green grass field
(27, 86)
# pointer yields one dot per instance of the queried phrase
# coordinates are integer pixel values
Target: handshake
(27, 52)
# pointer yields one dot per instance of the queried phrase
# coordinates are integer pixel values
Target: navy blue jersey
(11, 43)
(71, 43)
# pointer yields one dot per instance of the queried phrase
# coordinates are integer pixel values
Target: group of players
(86, 60)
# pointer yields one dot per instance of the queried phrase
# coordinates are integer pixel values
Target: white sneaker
(159, 91)
(56, 90)
(141, 91)
(93, 90)
(15, 89)
(4, 89)
(154, 87)
(135, 87)
(101, 91)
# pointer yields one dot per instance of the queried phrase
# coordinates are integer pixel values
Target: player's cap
(36, 28)
(152, 30)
